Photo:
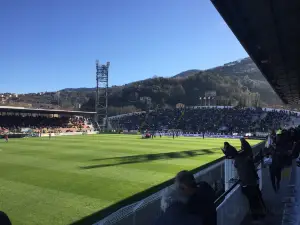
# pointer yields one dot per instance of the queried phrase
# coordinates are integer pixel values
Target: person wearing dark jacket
(279, 157)
(248, 179)
(229, 150)
(175, 211)
(296, 150)
(200, 197)
(276, 168)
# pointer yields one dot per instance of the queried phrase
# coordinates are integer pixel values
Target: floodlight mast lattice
(101, 102)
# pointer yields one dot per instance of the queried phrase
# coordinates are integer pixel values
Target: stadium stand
(42, 123)
(20, 120)
(213, 120)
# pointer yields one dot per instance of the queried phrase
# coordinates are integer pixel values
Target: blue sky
(47, 45)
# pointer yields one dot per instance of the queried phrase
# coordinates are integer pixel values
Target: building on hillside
(2, 99)
(145, 99)
(209, 98)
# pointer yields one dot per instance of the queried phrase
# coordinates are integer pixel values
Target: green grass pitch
(61, 180)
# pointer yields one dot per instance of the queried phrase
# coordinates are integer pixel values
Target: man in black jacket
(276, 168)
(200, 197)
(175, 210)
(248, 179)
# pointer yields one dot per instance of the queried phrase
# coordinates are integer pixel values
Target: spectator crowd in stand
(214, 120)
(15, 123)
(208, 120)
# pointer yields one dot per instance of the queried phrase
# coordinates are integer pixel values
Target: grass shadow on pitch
(115, 161)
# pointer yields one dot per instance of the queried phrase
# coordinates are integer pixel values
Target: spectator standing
(296, 145)
(249, 180)
(280, 158)
(275, 168)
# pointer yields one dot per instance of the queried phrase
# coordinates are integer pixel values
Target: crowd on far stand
(44, 124)
(227, 120)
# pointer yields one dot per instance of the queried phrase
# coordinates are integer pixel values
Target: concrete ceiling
(269, 30)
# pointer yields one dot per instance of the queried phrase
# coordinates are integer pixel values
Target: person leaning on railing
(248, 179)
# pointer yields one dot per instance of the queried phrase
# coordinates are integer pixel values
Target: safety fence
(144, 207)
(143, 211)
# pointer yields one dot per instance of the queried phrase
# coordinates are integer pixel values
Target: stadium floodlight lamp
(200, 98)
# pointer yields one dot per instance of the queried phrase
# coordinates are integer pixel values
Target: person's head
(292, 132)
(170, 196)
(226, 145)
(229, 150)
(185, 183)
(242, 140)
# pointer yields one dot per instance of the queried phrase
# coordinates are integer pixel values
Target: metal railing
(131, 210)
(257, 160)
(145, 206)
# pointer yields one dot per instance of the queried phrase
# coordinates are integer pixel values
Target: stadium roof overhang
(269, 30)
(44, 111)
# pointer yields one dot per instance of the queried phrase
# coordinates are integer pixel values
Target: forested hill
(233, 82)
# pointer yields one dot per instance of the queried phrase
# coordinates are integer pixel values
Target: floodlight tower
(101, 94)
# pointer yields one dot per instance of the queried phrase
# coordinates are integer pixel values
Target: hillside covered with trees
(233, 82)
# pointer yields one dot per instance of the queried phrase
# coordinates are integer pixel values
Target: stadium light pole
(101, 101)
(58, 98)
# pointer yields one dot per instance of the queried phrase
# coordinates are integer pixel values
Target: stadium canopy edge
(42, 111)
(269, 31)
